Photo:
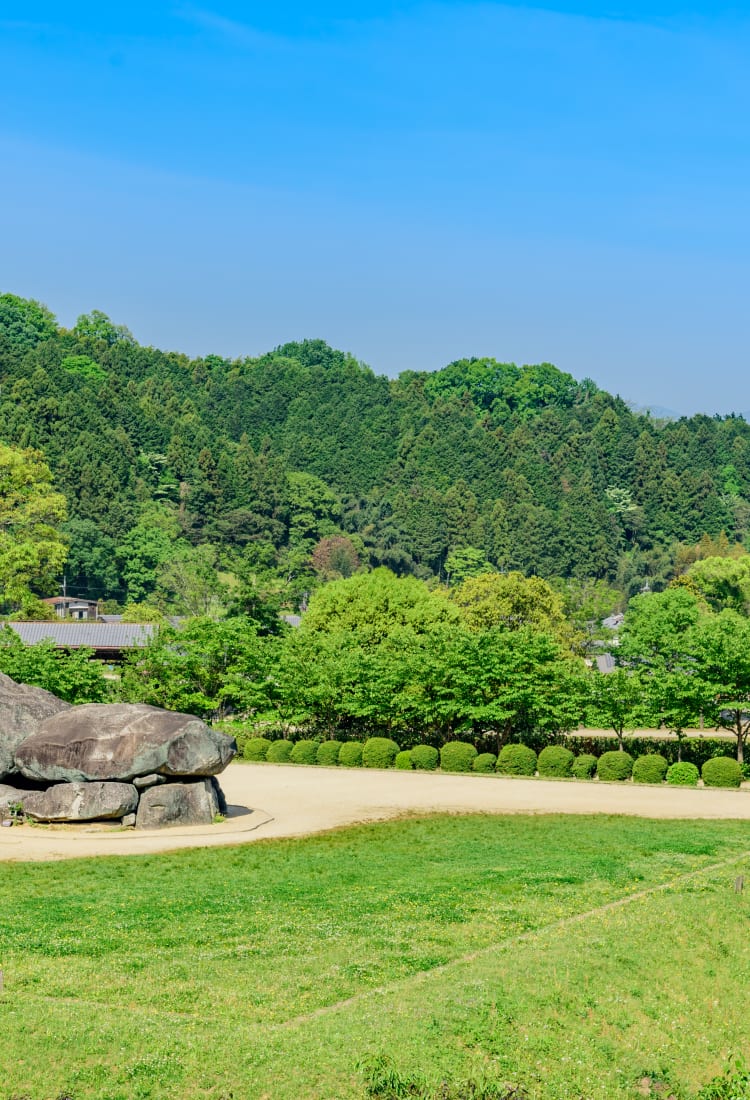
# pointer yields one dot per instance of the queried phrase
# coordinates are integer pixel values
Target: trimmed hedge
(615, 766)
(256, 748)
(457, 756)
(328, 753)
(279, 752)
(425, 758)
(683, 774)
(484, 763)
(722, 771)
(516, 760)
(380, 752)
(555, 761)
(305, 752)
(350, 754)
(694, 749)
(650, 768)
(584, 766)
(403, 761)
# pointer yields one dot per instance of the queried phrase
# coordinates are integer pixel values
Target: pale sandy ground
(268, 800)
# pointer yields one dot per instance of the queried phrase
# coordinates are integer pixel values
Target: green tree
(98, 326)
(656, 629)
(512, 601)
(615, 700)
(723, 582)
(32, 548)
(721, 648)
(70, 674)
(203, 668)
(369, 606)
(188, 583)
(465, 562)
(25, 322)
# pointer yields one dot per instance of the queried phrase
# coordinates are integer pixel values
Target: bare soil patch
(268, 800)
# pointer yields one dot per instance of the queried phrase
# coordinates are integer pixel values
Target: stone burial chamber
(126, 762)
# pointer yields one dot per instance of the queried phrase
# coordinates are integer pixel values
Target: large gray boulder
(193, 803)
(120, 741)
(22, 709)
(80, 802)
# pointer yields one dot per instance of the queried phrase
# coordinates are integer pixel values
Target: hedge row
(554, 761)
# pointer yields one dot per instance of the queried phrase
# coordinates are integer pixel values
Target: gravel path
(268, 800)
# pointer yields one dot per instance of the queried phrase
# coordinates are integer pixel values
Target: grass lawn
(451, 944)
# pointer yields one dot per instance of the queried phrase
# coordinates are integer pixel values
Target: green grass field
(460, 947)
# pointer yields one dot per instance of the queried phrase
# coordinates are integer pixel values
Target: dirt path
(269, 800)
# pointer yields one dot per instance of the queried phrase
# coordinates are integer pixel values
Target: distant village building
(72, 607)
(109, 641)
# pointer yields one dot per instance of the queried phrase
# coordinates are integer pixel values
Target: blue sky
(413, 182)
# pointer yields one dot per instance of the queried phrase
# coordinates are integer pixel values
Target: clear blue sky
(412, 182)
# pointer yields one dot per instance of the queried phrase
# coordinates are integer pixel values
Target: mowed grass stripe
(654, 986)
(741, 863)
(168, 976)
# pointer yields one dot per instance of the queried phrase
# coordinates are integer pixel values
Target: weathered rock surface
(9, 796)
(100, 741)
(144, 781)
(80, 801)
(193, 803)
(22, 709)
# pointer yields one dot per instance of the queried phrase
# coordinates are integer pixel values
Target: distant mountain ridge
(253, 462)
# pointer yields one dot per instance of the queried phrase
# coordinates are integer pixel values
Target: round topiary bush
(615, 766)
(379, 752)
(305, 752)
(516, 760)
(279, 752)
(683, 774)
(650, 768)
(484, 763)
(403, 761)
(425, 758)
(350, 754)
(721, 771)
(256, 748)
(584, 766)
(457, 756)
(328, 753)
(555, 761)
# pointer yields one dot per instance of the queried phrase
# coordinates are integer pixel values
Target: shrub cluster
(425, 758)
(584, 766)
(615, 766)
(256, 748)
(379, 752)
(683, 774)
(350, 755)
(721, 771)
(305, 752)
(516, 760)
(650, 768)
(328, 753)
(555, 761)
(457, 756)
(484, 763)
(279, 752)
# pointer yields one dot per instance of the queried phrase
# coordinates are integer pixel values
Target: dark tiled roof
(91, 634)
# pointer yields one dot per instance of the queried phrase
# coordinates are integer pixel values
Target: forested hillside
(196, 480)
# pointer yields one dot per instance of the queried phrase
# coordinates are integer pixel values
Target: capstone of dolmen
(100, 741)
(22, 709)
